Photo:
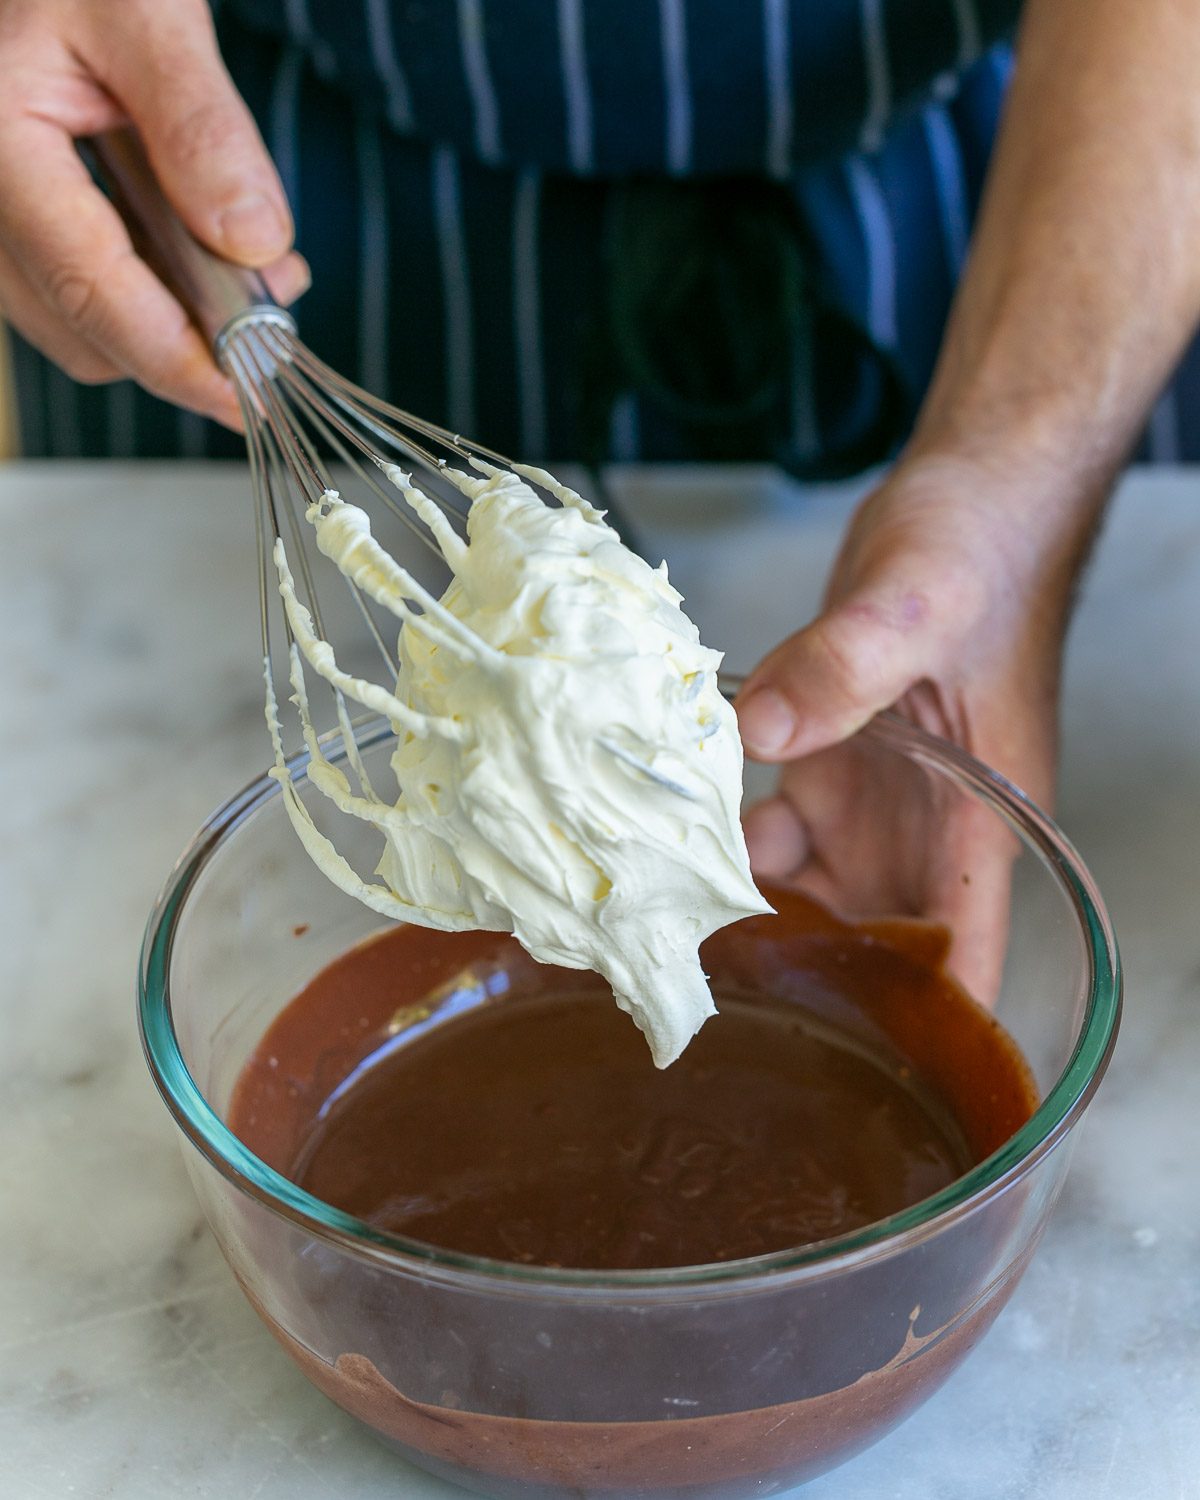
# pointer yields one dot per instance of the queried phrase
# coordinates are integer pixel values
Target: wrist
(1059, 439)
(1027, 512)
(1048, 390)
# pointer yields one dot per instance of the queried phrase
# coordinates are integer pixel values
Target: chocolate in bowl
(448, 1088)
(733, 1377)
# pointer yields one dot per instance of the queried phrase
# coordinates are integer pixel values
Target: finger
(775, 839)
(73, 249)
(971, 893)
(825, 682)
(893, 629)
(201, 138)
(25, 311)
(288, 279)
(863, 853)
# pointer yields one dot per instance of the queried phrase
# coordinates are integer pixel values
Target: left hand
(949, 600)
(71, 281)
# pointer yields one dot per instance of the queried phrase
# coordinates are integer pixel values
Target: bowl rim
(1062, 1106)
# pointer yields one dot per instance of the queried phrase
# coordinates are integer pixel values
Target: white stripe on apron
(29, 371)
(301, 29)
(62, 399)
(677, 88)
(576, 91)
(479, 79)
(373, 287)
(805, 434)
(527, 315)
(624, 439)
(946, 160)
(456, 287)
(879, 84)
(285, 95)
(192, 435)
(871, 209)
(970, 46)
(119, 399)
(970, 36)
(1162, 434)
(777, 63)
(377, 14)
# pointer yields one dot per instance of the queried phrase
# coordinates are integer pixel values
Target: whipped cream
(567, 769)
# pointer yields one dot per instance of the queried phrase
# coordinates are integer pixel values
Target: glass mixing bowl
(741, 1378)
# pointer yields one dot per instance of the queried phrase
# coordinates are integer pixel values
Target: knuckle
(840, 647)
(913, 610)
(75, 294)
(208, 131)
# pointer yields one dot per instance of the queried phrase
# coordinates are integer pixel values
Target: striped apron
(626, 229)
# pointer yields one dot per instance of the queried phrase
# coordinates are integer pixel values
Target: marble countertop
(131, 1367)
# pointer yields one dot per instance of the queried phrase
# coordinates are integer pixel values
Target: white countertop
(131, 1367)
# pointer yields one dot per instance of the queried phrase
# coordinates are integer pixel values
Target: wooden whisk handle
(218, 295)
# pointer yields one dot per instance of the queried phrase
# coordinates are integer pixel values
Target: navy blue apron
(630, 229)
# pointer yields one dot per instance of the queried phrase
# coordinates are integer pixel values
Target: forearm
(1083, 284)
(954, 583)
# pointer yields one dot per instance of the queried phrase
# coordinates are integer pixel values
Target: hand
(70, 280)
(949, 600)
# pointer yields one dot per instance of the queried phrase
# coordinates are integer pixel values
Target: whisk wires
(301, 416)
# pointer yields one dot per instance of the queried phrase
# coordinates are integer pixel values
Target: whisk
(301, 418)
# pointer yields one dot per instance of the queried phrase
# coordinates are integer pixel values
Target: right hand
(70, 280)
(949, 601)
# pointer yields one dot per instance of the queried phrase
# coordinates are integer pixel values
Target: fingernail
(254, 227)
(768, 722)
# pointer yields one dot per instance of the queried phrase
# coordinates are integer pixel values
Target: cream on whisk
(530, 700)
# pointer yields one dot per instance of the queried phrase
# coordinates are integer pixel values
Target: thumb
(201, 138)
(826, 681)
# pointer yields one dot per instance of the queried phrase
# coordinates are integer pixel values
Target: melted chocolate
(449, 1089)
